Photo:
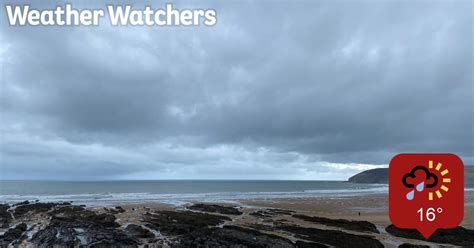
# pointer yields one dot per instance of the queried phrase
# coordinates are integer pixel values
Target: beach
(373, 208)
(276, 222)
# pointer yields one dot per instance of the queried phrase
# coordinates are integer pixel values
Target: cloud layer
(298, 91)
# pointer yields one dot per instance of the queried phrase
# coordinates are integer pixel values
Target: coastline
(373, 208)
(280, 220)
(177, 192)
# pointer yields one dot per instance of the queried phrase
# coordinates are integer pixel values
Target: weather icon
(429, 180)
(444, 180)
(426, 191)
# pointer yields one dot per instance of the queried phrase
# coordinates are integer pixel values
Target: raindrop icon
(411, 195)
(420, 187)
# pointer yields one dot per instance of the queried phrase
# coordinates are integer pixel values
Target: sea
(177, 192)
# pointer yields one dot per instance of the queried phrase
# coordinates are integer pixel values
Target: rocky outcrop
(303, 244)
(201, 230)
(78, 235)
(138, 231)
(65, 225)
(25, 208)
(457, 236)
(359, 226)
(13, 235)
(182, 222)
(22, 203)
(271, 212)
(213, 208)
(115, 210)
(332, 237)
(233, 236)
(407, 245)
(72, 226)
(5, 216)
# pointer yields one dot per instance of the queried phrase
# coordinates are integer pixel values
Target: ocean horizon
(177, 192)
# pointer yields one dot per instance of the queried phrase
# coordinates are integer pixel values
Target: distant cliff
(381, 176)
(371, 176)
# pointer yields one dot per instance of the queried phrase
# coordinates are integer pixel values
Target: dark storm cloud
(271, 90)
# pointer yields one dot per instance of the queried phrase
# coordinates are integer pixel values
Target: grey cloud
(329, 82)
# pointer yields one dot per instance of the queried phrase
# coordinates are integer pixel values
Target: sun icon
(443, 187)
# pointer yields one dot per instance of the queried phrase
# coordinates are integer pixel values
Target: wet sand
(373, 208)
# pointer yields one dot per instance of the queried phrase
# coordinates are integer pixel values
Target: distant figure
(359, 213)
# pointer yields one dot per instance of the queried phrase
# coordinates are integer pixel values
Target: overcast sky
(309, 90)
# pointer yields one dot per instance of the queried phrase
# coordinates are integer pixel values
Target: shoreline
(281, 221)
(113, 198)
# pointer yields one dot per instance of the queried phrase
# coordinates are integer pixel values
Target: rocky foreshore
(36, 224)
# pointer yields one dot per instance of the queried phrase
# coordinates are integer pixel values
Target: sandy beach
(372, 208)
(304, 222)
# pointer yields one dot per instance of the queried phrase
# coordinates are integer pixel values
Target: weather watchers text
(117, 15)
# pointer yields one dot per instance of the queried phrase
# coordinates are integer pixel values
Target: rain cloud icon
(430, 179)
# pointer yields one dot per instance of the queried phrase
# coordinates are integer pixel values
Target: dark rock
(404, 233)
(38, 207)
(73, 226)
(261, 227)
(215, 209)
(22, 203)
(270, 212)
(116, 210)
(406, 245)
(115, 239)
(457, 236)
(303, 244)
(5, 216)
(332, 237)
(56, 236)
(199, 230)
(232, 236)
(13, 235)
(66, 210)
(177, 223)
(67, 236)
(138, 231)
(119, 209)
(359, 226)
(84, 217)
